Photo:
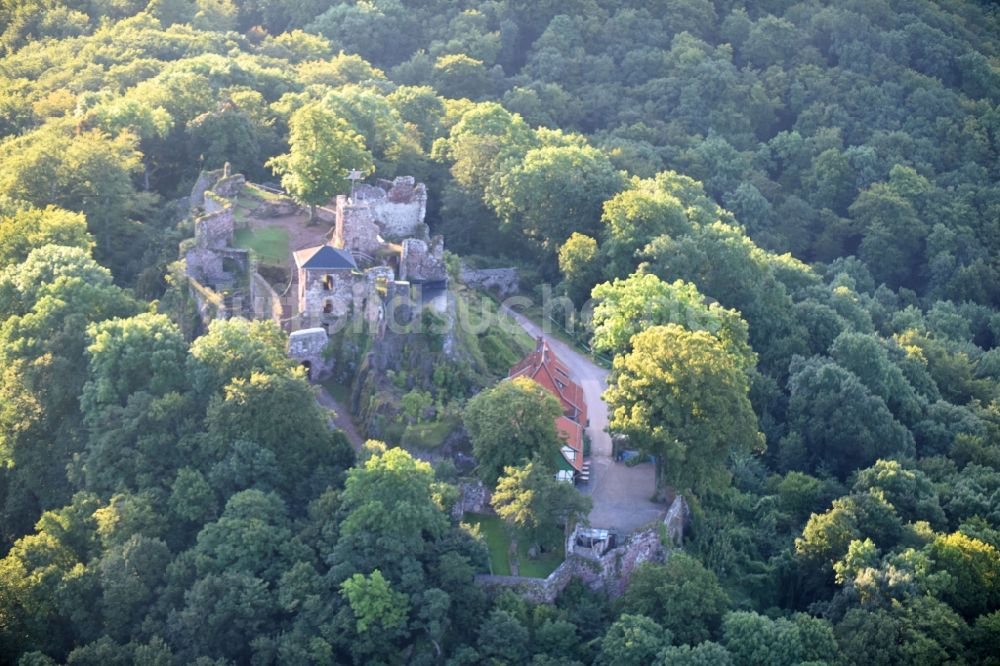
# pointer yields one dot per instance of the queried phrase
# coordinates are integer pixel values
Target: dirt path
(341, 417)
(621, 494)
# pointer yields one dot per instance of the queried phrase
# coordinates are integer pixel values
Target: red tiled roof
(572, 433)
(544, 367)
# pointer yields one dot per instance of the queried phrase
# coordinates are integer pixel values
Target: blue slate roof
(330, 258)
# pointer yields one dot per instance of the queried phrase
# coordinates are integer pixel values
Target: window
(327, 306)
(327, 282)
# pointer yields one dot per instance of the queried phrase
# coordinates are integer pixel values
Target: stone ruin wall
(204, 183)
(211, 262)
(266, 301)
(356, 229)
(229, 187)
(214, 203)
(397, 208)
(355, 296)
(314, 295)
(215, 230)
(213, 238)
(678, 517)
(473, 497)
(207, 302)
(378, 282)
(502, 281)
(609, 572)
(401, 214)
(420, 261)
(220, 181)
(281, 208)
(401, 220)
(307, 346)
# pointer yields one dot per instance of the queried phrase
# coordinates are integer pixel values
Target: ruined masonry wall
(677, 518)
(610, 573)
(307, 345)
(204, 265)
(314, 294)
(356, 229)
(472, 498)
(401, 220)
(215, 230)
(229, 186)
(398, 207)
(503, 281)
(266, 301)
(378, 282)
(422, 262)
(213, 203)
(208, 265)
(205, 180)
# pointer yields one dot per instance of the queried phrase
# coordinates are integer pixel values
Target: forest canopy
(784, 216)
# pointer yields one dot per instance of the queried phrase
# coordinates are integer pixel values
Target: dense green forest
(787, 215)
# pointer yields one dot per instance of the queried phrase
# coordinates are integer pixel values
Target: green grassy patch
(428, 435)
(494, 348)
(520, 339)
(253, 191)
(544, 564)
(270, 243)
(498, 543)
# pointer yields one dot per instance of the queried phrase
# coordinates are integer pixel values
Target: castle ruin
(377, 247)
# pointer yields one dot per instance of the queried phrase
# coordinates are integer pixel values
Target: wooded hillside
(786, 216)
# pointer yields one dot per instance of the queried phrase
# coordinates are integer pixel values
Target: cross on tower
(354, 176)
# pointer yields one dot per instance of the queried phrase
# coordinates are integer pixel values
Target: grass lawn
(517, 335)
(252, 191)
(553, 329)
(498, 543)
(270, 243)
(428, 435)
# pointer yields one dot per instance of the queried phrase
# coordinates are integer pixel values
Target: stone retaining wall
(609, 573)
(215, 229)
(502, 281)
(420, 261)
(266, 301)
(473, 497)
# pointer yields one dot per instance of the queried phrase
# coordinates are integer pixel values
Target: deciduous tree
(535, 506)
(682, 396)
(510, 424)
(324, 148)
(681, 594)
